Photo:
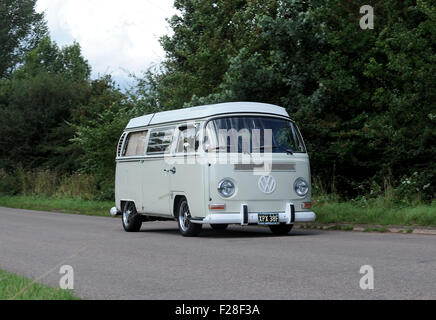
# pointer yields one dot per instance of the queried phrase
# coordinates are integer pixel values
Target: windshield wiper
(287, 150)
(228, 148)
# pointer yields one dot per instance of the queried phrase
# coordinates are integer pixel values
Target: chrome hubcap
(127, 216)
(184, 217)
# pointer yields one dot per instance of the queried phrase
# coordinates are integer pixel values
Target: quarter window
(135, 144)
(160, 140)
(188, 139)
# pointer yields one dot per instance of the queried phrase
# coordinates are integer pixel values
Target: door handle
(173, 171)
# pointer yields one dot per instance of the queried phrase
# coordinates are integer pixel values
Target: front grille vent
(284, 167)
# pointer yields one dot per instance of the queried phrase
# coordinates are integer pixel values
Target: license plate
(269, 218)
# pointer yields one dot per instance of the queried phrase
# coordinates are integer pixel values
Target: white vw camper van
(234, 163)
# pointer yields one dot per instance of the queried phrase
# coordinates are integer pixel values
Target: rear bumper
(115, 212)
(290, 216)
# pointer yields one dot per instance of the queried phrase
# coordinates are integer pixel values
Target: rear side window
(135, 144)
(160, 140)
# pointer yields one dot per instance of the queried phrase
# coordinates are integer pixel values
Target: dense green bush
(36, 104)
(98, 138)
(9, 184)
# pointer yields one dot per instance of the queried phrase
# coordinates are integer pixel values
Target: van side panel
(128, 183)
(155, 187)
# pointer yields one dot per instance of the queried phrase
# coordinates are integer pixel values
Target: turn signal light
(306, 205)
(217, 207)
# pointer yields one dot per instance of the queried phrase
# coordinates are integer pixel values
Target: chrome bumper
(115, 212)
(290, 216)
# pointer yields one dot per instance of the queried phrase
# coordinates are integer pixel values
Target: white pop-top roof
(205, 112)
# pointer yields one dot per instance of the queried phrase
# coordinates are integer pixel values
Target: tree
(98, 126)
(21, 29)
(364, 99)
(48, 57)
(205, 35)
(36, 104)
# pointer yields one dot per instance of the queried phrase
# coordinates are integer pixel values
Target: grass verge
(376, 214)
(61, 205)
(19, 288)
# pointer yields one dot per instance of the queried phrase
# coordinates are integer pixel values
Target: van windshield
(252, 134)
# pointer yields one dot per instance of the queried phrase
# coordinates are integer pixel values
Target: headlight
(301, 187)
(226, 188)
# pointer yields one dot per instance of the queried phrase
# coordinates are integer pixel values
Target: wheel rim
(127, 215)
(184, 217)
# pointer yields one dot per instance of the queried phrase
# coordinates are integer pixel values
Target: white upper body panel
(205, 112)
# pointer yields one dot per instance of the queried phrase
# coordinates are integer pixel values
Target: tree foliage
(364, 99)
(205, 35)
(21, 29)
(36, 104)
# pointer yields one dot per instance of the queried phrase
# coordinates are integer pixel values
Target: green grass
(375, 229)
(13, 287)
(376, 213)
(351, 212)
(54, 204)
(342, 228)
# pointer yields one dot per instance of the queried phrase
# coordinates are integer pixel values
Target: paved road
(239, 263)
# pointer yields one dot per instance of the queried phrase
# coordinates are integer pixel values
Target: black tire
(186, 227)
(132, 221)
(219, 226)
(282, 229)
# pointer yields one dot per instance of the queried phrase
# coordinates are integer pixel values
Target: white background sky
(115, 35)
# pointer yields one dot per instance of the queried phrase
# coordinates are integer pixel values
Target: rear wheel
(219, 226)
(132, 221)
(281, 229)
(186, 227)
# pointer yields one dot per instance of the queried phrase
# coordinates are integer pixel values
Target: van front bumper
(290, 216)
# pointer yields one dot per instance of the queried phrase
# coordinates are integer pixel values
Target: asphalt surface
(239, 263)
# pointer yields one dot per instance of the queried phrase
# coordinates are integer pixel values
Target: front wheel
(186, 227)
(132, 221)
(282, 229)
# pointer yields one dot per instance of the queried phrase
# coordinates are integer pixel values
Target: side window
(135, 144)
(160, 141)
(120, 145)
(188, 139)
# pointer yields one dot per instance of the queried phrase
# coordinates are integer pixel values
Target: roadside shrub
(9, 184)
(47, 183)
(409, 191)
(77, 185)
(415, 188)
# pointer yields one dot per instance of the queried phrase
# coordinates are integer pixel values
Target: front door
(186, 174)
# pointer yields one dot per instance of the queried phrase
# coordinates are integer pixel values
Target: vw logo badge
(267, 184)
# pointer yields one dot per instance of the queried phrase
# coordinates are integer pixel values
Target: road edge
(369, 228)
